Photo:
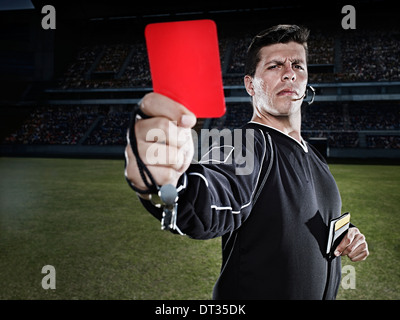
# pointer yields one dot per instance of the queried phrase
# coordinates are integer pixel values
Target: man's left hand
(353, 245)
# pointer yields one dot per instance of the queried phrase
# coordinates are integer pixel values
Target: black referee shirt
(273, 218)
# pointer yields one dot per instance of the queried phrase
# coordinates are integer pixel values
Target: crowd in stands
(370, 117)
(106, 125)
(76, 73)
(137, 73)
(111, 66)
(111, 129)
(113, 58)
(54, 125)
(383, 142)
(361, 56)
(71, 125)
(321, 48)
(355, 56)
(343, 139)
(371, 56)
(238, 55)
(327, 116)
(334, 121)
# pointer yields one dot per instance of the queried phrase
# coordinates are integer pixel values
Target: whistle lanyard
(147, 177)
(164, 197)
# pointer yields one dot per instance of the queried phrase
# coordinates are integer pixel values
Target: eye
(299, 67)
(272, 67)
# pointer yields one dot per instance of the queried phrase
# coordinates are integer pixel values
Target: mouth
(287, 92)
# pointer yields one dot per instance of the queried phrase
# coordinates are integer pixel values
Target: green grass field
(81, 217)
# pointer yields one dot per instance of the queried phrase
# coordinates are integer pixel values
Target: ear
(248, 83)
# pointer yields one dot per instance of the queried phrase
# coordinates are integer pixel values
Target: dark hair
(282, 33)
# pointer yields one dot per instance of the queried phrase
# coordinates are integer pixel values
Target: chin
(289, 108)
(281, 108)
(282, 112)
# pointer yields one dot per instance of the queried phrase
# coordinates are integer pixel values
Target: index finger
(346, 241)
(157, 105)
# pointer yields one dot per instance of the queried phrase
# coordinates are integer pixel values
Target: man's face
(280, 79)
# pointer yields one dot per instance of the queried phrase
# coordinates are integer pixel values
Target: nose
(288, 74)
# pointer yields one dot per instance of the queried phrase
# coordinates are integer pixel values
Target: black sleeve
(220, 190)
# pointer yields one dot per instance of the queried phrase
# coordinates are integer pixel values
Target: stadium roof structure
(118, 9)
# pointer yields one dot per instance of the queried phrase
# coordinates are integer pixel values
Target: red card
(185, 65)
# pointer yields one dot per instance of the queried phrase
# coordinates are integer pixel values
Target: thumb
(188, 120)
(347, 239)
(158, 105)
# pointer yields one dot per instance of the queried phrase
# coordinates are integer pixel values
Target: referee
(273, 220)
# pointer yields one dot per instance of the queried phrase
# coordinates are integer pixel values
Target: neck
(290, 125)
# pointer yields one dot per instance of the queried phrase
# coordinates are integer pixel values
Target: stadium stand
(54, 125)
(357, 57)
(106, 125)
(121, 66)
(371, 56)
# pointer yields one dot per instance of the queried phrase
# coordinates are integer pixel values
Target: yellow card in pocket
(337, 229)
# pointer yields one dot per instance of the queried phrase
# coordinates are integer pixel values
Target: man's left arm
(353, 245)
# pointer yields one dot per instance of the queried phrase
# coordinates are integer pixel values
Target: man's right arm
(213, 199)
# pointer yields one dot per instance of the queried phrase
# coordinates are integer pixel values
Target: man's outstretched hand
(164, 141)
